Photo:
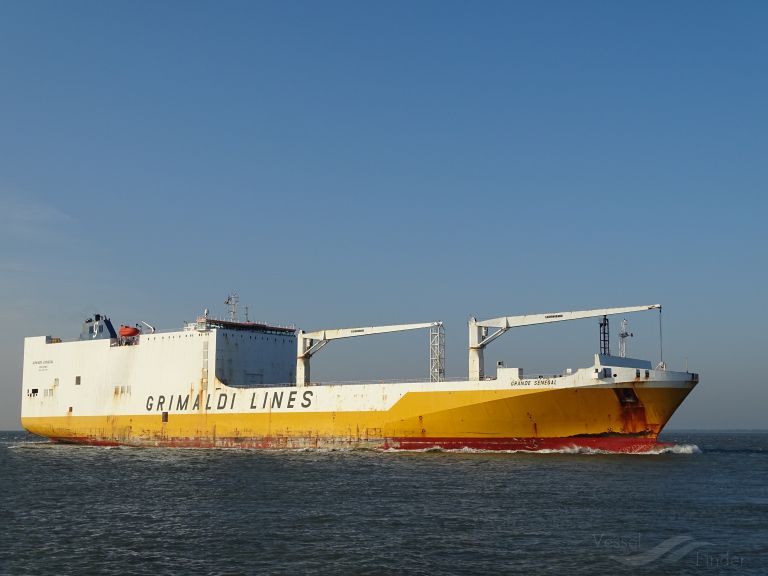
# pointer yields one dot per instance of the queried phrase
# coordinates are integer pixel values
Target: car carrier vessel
(226, 383)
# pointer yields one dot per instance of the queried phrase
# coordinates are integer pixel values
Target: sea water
(700, 507)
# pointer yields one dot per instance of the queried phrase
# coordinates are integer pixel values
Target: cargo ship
(231, 383)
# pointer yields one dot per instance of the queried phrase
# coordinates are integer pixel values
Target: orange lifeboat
(126, 331)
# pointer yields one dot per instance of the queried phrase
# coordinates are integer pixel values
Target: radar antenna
(623, 335)
(232, 301)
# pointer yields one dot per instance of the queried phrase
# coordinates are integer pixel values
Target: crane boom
(310, 342)
(479, 338)
(337, 333)
(530, 319)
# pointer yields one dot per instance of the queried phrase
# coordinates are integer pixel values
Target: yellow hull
(598, 417)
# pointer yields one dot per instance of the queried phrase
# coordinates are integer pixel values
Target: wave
(686, 449)
(44, 445)
(681, 449)
(675, 449)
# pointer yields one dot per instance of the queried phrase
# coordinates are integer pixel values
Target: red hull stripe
(627, 444)
(622, 444)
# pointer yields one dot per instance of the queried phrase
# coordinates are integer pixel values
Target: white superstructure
(99, 374)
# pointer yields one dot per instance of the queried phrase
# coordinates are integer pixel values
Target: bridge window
(77, 380)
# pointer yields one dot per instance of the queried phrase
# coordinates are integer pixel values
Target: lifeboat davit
(126, 331)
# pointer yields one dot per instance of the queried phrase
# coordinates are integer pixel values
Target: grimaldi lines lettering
(267, 400)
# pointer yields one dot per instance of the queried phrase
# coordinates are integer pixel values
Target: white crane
(310, 342)
(479, 337)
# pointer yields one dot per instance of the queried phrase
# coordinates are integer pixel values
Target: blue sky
(357, 163)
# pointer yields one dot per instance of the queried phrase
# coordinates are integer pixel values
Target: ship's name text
(534, 382)
(258, 401)
(42, 365)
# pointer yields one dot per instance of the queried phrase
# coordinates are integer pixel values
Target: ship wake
(572, 450)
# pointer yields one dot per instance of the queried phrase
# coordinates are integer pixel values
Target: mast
(232, 301)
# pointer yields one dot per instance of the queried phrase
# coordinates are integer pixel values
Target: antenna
(232, 301)
(623, 335)
(605, 348)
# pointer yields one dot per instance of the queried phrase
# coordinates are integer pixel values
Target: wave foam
(681, 449)
(675, 449)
